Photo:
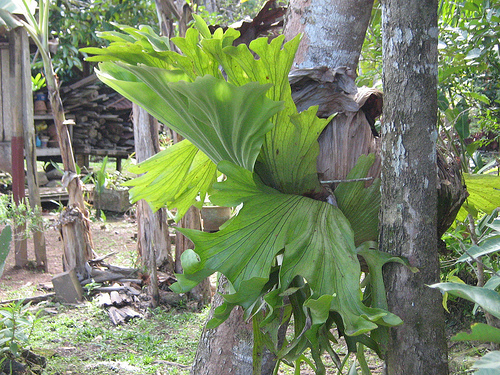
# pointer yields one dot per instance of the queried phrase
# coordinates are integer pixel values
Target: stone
(67, 287)
(112, 200)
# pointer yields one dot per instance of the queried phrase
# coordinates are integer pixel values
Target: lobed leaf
(226, 122)
(316, 240)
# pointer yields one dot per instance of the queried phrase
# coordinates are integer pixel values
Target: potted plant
(37, 83)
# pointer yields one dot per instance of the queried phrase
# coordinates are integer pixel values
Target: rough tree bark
(409, 186)
(333, 31)
(227, 350)
(153, 239)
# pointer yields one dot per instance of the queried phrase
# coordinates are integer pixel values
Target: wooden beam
(30, 148)
(20, 245)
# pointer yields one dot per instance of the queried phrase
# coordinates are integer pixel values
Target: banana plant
(292, 249)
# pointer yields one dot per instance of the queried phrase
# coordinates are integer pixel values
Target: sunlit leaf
(484, 194)
(226, 122)
(175, 178)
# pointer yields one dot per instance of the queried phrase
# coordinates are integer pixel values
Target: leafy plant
(16, 326)
(489, 300)
(287, 247)
(21, 215)
(37, 82)
(484, 242)
(5, 240)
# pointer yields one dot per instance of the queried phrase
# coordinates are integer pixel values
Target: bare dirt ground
(117, 234)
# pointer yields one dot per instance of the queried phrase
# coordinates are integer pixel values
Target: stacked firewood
(102, 116)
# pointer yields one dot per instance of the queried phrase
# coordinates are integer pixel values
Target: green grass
(84, 341)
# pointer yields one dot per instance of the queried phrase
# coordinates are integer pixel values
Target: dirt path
(117, 234)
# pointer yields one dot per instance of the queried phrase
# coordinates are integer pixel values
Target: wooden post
(20, 246)
(30, 148)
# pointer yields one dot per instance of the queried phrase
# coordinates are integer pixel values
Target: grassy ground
(82, 340)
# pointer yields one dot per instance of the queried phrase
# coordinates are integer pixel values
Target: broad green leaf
(317, 241)
(489, 246)
(226, 122)
(478, 96)
(360, 204)
(5, 239)
(479, 332)
(495, 225)
(484, 194)
(489, 364)
(488, 299)
(493, 282)
(175, 178)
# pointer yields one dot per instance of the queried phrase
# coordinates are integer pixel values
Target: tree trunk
(409, 186)
(228, 349)
(334, 31)
(153, 240)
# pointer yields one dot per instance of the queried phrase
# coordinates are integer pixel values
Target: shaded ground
(117, 234)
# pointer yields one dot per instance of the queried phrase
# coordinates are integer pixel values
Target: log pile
(102, 117)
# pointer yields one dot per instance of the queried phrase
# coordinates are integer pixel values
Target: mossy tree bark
(409, 186)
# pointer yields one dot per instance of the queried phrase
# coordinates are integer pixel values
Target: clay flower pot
(214, 216)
